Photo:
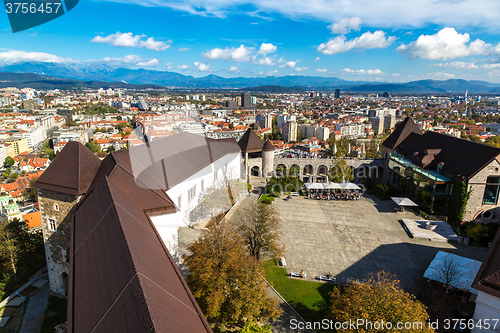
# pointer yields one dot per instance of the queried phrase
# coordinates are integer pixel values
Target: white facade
(35, 136)
(186, 196)
(487, 310)
(353, 130)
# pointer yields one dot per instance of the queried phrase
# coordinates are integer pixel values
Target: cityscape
(271, 167)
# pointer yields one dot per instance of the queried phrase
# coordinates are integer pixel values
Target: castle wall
(56, 207)
(477, 184)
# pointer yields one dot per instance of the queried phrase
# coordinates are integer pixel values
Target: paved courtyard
(354, 238)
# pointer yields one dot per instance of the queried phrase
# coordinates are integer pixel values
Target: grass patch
(55, 314)
(310, 299)
(264, 197)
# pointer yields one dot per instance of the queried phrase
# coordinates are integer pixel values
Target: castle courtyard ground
(351, 239)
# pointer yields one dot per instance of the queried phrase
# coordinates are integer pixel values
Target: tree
(30, 191)
(9, 250)
(258, 224)
(341, 170)
(449, 275)
(379, 297)
(94, 147)
(226, 281)
(9, 161)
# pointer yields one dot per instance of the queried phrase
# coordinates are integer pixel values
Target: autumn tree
(30, 191)
(226, 281)
(377, 298)
(9, 250)
(258, 224)
(341, 171)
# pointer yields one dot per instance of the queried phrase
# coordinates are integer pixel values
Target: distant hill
(99, 75)
(36, 81)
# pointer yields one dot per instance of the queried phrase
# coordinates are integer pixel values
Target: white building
(35, 136)
(351, 130)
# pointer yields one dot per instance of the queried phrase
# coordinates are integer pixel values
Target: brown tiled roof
(401, 132)
(462, 159)
(250, 142)
(71, 171)
(167, 162)
(488, 277)
(122, 278)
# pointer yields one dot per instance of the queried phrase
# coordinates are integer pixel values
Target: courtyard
(350, 239)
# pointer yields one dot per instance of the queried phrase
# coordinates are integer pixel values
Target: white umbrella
(334, 149)
(333, 186)
(348, 149)
(314, 186)
(403, 202)
(363, 149)
(376, 150)
(350, 186)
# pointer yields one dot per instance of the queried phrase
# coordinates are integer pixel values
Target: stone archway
(280, 170)
(255, 171)
(294, 170)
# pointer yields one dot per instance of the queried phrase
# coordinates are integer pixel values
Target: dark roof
(250, 142)
(268, 146)
(71, 171)
(401, 132)
(122, 278)
(169, 161)
(488, 277)
(462, 159)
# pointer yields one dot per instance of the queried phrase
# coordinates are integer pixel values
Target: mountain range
(65, 76)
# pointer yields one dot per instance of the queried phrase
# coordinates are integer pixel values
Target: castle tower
(268, 158)
(59, 189)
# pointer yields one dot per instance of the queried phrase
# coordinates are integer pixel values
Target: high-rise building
(290, 131)
(264, 120)
(389, 121)
(337, 93)
(245, 100)
(377, 125)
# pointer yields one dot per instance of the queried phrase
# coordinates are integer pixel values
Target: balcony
(408, 165)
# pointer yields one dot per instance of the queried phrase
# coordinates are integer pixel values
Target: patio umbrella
(363, 149)
(403, 202)
(348, 149)
(376, 150)
(314, 186)
(334, 148)
(333, 186)
(349, 186)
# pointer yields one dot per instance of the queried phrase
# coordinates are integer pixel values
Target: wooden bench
(329, 279)
(298, 275)
(294, 194)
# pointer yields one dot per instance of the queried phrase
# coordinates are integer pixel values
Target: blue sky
(386, 40)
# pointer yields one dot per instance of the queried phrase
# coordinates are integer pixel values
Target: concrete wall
(487, 308)
(56, 206)
(477, 184)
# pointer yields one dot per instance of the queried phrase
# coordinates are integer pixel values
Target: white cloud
(183, 49)
(266, 48)
(131, 60)
(267, 61)
(183, 67)
(382, 14)
(490, 66)
(202, 67)
(345, 25)
(129, 40)
(362, 71)
(289, 64)
(233, 69)
(440, 75)
(317, 58)
(241, 53)
(301, 69)
(321, 70)
(458, 65)
(445, 44)
(13, 56)
(368, 40)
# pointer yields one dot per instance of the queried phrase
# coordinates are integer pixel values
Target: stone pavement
(33, 318)
(353, 238)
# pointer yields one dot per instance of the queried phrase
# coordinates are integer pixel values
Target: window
(491, 190)
(202, 185)
(56, 207)
(216, 175)
(52, 224)
(192, 193)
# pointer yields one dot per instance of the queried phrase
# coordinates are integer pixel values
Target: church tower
(59, 189)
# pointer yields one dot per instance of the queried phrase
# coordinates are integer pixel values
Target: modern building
(377, 125)
(433, 162)
(389, 122)
(337, 93)
(290, 131)
(35, 136)
(245, 100)
(264, 120)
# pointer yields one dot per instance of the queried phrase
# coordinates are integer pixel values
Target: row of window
(191, 193)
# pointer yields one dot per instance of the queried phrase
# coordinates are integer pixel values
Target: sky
(357, 40)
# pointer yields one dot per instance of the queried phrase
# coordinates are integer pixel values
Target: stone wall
(477, 184)
(59, 207)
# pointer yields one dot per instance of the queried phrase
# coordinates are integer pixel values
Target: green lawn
(55, 314)
(264, 197)
(310, 299)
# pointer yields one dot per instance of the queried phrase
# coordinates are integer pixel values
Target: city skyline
(353, 40)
